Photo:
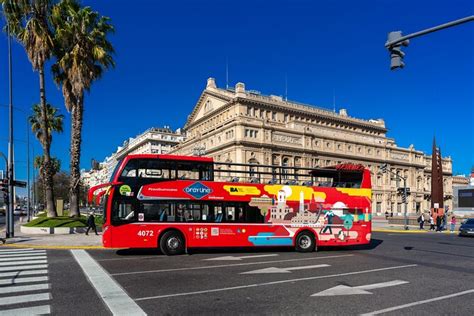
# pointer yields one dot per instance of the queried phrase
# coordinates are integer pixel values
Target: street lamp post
(11, 177)
(384, 169)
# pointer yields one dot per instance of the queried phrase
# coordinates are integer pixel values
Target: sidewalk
(71, 241)
(380, 224)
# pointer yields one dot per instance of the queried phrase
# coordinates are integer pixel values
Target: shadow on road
(229, 250)
(374, 243)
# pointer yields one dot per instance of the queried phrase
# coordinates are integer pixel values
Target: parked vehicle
(467, 228)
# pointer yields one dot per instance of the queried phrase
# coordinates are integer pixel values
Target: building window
(274, 116)
(286, 118)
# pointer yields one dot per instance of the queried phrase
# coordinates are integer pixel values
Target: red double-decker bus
(178, 202)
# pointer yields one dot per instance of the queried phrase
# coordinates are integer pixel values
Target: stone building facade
(242, 126)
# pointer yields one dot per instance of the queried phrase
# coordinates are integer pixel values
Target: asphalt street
(421, 274)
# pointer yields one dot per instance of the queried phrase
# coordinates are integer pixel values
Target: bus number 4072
(145, 233)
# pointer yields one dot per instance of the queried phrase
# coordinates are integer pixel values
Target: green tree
(83, 53)
(29, 24)
(54, 124)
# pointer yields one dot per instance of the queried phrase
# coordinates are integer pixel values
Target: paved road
(419, 274)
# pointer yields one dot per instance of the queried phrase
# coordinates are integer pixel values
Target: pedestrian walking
(453, 223)
(91, 223)
(432, 226)
(421, 220)
(438, 223)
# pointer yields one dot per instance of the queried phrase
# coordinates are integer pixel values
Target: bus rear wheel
(172, 243)
(305, 242)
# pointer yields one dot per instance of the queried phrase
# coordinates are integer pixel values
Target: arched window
(253, 170)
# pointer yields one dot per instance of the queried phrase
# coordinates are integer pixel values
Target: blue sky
(165, 51)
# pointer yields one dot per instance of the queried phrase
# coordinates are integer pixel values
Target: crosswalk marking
(23, 288)
(10, 249)
(30, 267)
(36, 310)
(22, 273)
(24, 270)
(2, 259)
(24, 298)
(23, 280)
(24, 262)
(23, 254)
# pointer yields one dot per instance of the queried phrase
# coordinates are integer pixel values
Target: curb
(383, 230)
(53, 247)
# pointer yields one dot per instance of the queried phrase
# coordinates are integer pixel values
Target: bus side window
(123, 211)
(155, 212)
(230, 214)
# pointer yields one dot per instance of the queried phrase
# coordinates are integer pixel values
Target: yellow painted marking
(241, 190)
(356, 192)
(54, 247)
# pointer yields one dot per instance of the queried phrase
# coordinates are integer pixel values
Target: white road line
(238, 258)
(229, 265)
(285, 270)
(20, 274)
(23, 262)
(31, 267)
(23, 288)
(11, 252)
(23, 255)
(274, 283)
(27, 311)
(24, 298)
(16, 249)
(118, 302)
(23, 280)
(439, 298)
(2, 259)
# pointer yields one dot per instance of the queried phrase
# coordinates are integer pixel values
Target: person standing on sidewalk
(432, 226)
(453, 223)
(421, 220)
(91, 223)
(438, 223)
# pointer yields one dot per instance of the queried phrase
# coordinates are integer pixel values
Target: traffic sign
(20, 184)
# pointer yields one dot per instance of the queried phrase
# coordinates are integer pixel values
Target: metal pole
(11, 176)
(406, 202)
(28, 210)
(6, 202)
(430, 30)
(34, 181)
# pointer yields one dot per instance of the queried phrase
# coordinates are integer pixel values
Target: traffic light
(4, 190)
(396, 54)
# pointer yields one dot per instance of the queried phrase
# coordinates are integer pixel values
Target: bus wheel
(172, 243)
(305, 242)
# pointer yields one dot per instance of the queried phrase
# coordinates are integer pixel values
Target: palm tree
(38, 164)
(29, 23)
(83, 53)
(55, 124)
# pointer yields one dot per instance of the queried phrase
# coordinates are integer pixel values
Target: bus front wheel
(305, 242)
(172, 243)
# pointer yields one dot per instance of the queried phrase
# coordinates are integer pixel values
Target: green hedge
(62, 221)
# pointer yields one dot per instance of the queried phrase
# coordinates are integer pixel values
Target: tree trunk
(76, 138)
(46, 144)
